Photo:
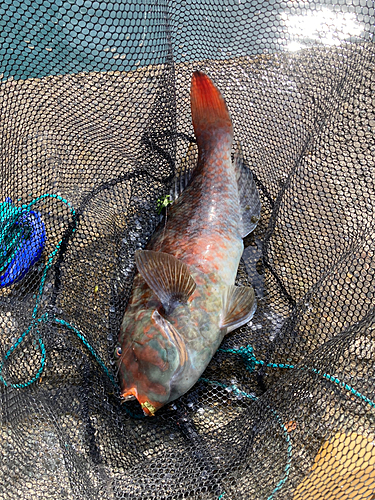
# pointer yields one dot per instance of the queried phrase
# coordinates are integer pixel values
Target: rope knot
(247, 353)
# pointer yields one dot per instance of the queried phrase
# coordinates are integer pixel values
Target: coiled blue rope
(22, 240)
(15, 214)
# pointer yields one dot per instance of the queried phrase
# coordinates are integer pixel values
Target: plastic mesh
(95, 125)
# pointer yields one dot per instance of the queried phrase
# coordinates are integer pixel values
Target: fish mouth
(129, 398)
(148, 408)
(129, 395)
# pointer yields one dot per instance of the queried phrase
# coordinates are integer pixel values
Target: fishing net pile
(95, 127)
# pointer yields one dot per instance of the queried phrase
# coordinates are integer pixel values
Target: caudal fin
(208, 109)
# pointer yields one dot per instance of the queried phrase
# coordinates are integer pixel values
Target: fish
(184, 300)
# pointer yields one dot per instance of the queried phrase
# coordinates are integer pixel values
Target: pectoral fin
(239, 306)
(167, 276)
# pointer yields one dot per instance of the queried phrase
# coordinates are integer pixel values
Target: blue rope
(345, 386)
(26, 208)
(247, 352)
(12, 246)
(286, 471)
(13, 347)
(22, 240)
(89, 347)
(22, 237)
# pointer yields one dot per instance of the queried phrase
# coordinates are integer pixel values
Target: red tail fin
(208, 108)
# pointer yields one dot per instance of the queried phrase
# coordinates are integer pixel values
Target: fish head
(152, 351)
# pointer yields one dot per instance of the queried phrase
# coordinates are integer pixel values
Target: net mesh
(95, 126)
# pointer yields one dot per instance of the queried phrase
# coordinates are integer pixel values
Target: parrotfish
(184, 300)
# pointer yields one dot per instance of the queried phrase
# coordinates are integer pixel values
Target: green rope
(13, 347)
(97, 359)
(89, 347)
(54, 252)
(286, 471)
(45, 317)
(12, 242)
(345, 386)
(25, 208)
(247, 352)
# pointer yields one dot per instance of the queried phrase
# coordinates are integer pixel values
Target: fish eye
(118, 351)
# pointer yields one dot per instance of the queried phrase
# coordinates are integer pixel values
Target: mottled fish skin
(163, 355)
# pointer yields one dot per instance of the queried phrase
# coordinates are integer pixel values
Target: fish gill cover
(95, 130)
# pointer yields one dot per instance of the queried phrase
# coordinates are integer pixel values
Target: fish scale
(183, 299)
(202, 227)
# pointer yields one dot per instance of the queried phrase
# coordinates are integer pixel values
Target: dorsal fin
(168, 277)
(248, 194)
(239, 306)
(179, 184)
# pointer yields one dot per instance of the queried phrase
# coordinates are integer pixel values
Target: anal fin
(239, 306)
(248, 194)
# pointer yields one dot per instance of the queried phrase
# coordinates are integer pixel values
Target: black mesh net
(95, 126)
